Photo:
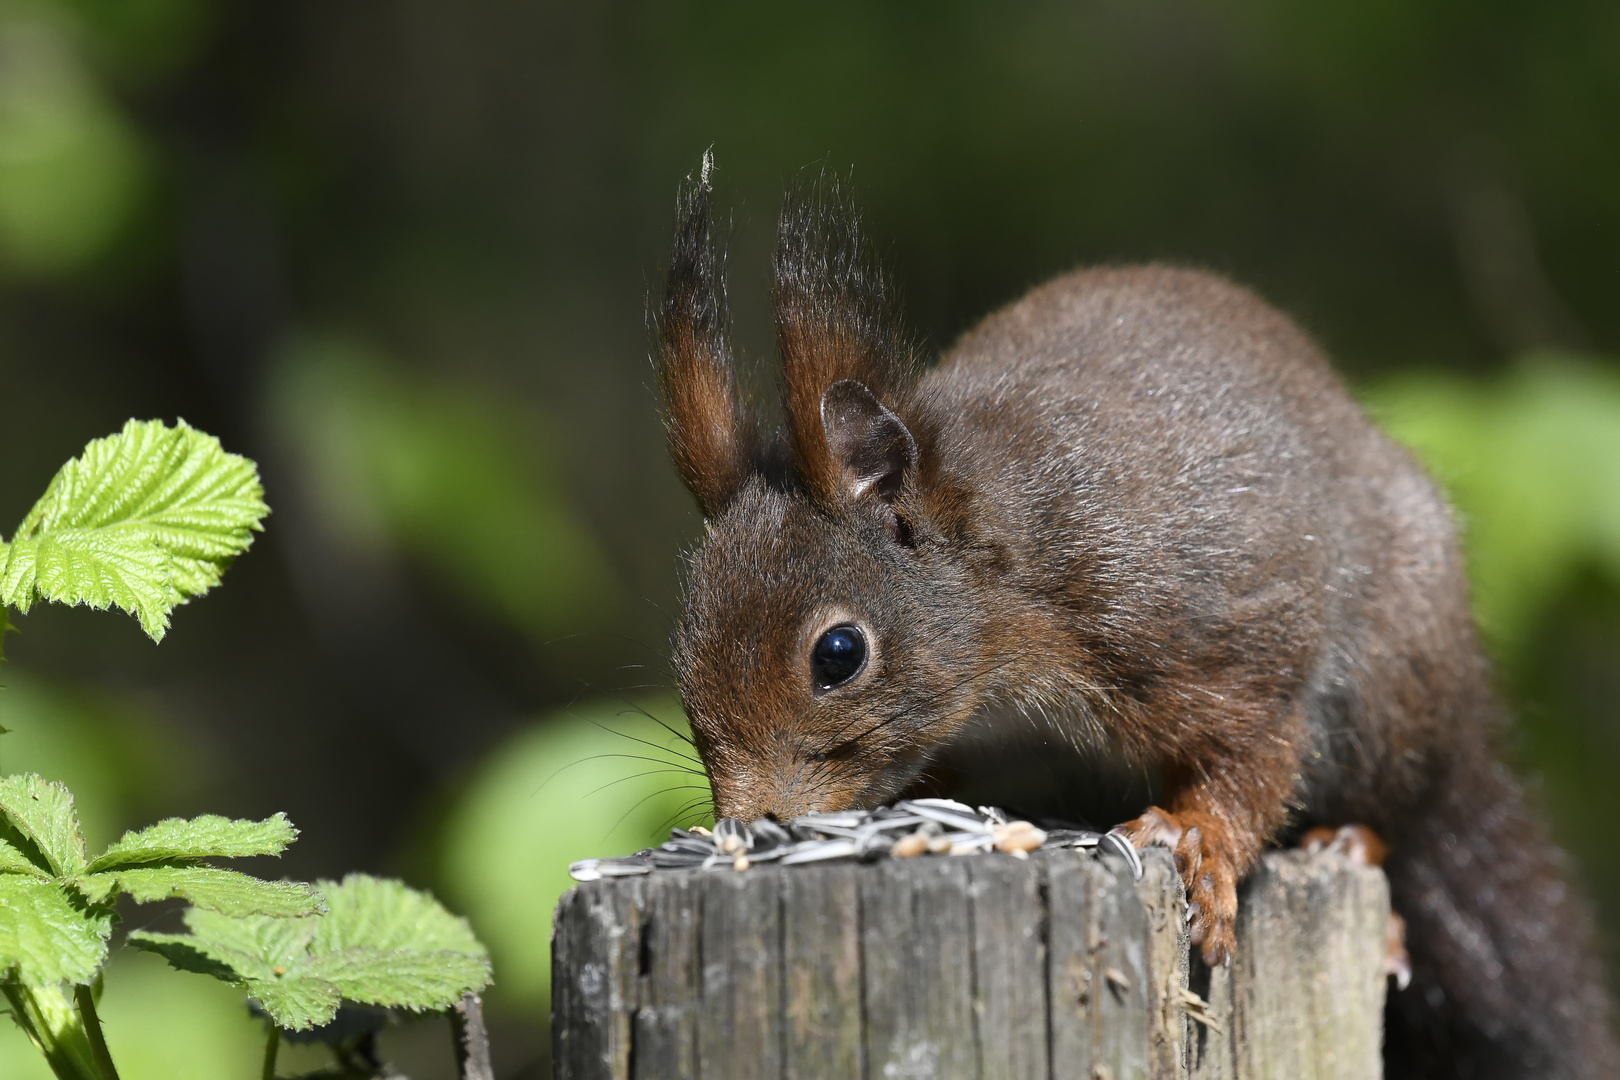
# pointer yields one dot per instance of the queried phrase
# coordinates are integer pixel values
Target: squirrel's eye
(837, 657)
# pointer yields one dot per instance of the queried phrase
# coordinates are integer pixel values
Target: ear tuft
(832, 324)
(872, 446)
(712, 434)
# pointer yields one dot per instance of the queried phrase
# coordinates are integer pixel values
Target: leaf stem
(86, 1000)
(272, 1043)
(46, 1014)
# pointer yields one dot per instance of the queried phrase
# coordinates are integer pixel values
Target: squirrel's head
(827, 631)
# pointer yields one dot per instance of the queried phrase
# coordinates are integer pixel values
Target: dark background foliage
(398, 252)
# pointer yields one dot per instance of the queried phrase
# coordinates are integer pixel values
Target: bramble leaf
(13, 861)
(41, 812)
(244, 949)
(143, 520)
(225, 891)
(295, 1003)
(402, 978)
(183, 954)
(45, 937)
(384, 913)
(209, 836)
(380, 943)
(261, 956)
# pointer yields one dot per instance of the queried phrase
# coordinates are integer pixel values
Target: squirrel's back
(1172, 464)
(1191, 452)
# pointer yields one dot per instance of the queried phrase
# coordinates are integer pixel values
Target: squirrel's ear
(832, 325)
(872, 446)
(711, 433)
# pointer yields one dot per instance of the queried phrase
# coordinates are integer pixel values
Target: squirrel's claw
(1357, 843)
(1206, 871)
(1364, 847)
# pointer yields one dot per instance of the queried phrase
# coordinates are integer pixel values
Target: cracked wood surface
(984, 967)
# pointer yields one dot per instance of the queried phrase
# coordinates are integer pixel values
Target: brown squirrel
(1138, 504)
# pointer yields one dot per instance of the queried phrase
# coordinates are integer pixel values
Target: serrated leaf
(263, 956)
(42, 813)
(252, 946)
(183, 953)
(209, 836)
(380, 943)
(13, 861)
(383, 913)
(384, 943)
(296, 1003)
(85, 566)
(401, 978)
(224, 891)
(45, 937)
(142, 520)
(248, 955)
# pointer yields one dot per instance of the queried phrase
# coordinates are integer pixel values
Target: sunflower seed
(819, 851)
(953, 815)
(908, 829)
(1122, 845)
(732, 836)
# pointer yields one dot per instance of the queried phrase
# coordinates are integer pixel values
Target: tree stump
(985, 966)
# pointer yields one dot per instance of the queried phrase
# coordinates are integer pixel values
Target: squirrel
(1138, 504)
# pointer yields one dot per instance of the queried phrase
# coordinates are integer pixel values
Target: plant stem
(48, 1016)
(86, 999)
(272, 1043)
(471, 1039)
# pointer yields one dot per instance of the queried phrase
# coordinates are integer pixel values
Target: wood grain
(594, 946)
(986, 967)
(740, 936)
(1009, 973)
(821, 959)
(666, 1020)
(917, 946)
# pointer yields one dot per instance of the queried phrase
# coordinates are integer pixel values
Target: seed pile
(905, 830)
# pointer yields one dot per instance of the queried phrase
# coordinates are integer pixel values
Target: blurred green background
(398, 252)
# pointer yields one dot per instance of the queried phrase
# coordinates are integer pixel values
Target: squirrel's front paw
(1207, 870)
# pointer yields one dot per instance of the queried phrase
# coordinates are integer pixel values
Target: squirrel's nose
(775, 806)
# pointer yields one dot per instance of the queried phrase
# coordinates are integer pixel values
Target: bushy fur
(712, 435)
(1139, 503)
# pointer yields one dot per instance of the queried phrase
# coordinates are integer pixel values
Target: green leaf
(13, 861)
(380, 943)
(402, 978)
(45, 937)
(225, 891)
(295, 1003)
(42, 813)
(259, 955)
(143, 520)
(263, 956)
(251, 947)
(383, 913)
(209, 836)
(6, 626)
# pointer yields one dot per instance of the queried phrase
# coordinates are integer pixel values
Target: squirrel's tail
(1507, 981)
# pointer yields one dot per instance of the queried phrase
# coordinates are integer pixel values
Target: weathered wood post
(985, 966)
